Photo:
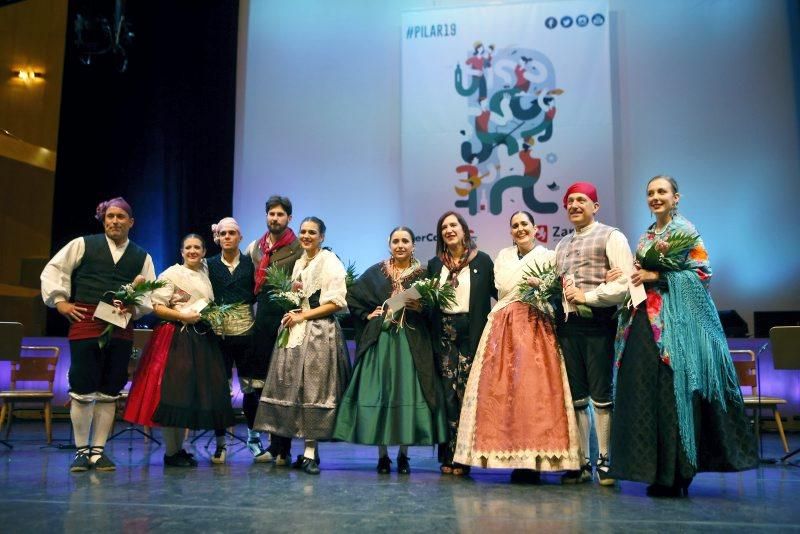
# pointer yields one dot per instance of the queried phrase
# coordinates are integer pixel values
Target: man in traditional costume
(587, 328)
(233, 280)
(278, 246)
(74, 282)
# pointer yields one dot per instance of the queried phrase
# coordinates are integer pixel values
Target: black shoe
(525, 476)
(310, 466)
(298, 464)
(384, 465)
(602, 470)
(657, 490)
(188, 456)
(81, 461)
(403, 467)
(103, 462)
(584, 474)
(180, 459)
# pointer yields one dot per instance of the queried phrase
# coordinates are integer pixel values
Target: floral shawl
(687, 331)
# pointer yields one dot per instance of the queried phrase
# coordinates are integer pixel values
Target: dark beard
(277, 230)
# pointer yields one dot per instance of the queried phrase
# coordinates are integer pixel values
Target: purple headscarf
(118, 202)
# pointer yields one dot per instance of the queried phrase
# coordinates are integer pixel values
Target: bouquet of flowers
(433, 295)
(667, 253)
(128, 295)
(284, 292)
(548, 290)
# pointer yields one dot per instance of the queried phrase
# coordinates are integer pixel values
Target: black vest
(97, 272)
(232, 287)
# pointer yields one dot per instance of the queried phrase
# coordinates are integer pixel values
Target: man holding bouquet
(278, 247)
(75, 282)
(587, 327)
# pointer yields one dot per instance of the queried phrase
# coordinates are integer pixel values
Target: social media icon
(566, 22)
(581, 20)
(598, 19)
(550, 22)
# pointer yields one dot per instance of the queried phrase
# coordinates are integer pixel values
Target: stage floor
(38, 494)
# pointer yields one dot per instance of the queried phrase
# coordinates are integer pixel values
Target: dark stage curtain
(160, 133)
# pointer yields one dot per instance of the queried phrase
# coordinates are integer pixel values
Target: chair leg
(3, 414)
(10, 415)
(48, 421)
(779, 424)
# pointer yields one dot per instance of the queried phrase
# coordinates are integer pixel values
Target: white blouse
(462, 291)
(509, 270)
(184, 287)
(324, 272)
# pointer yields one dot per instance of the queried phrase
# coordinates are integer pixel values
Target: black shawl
(370, 291)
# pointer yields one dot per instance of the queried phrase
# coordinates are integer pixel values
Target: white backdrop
(701, 89)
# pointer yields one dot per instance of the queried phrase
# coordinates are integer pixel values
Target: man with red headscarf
(74, 282)
(586, 330)
(278, 246)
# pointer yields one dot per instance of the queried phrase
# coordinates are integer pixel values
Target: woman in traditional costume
(394, 397)
(181, 381)
(457, 328)
(517, 410)
(307, 377)
(678, 408)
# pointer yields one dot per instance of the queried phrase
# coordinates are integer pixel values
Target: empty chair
(747, 372)
(31, 368)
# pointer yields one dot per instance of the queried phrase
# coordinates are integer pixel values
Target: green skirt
(384, 404)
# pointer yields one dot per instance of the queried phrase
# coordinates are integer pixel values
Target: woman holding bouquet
(457, 328)
(517, 410)
(308, 375)
(181, 381)
(678, 408)
(394, 397)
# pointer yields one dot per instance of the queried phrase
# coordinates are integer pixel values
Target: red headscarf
(581, 187)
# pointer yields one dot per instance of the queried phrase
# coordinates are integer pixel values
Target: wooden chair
(10, 343)
(31, 369)
(747, 372)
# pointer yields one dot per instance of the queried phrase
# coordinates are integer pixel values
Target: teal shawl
(698, 351)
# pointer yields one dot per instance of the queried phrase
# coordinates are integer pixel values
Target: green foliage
(433, 295)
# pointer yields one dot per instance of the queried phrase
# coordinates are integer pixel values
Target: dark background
(160, 134)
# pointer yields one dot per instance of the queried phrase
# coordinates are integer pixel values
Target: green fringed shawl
(698, 351)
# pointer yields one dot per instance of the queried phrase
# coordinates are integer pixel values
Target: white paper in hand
(111, 314)
(199, 305)
(638, 294)
(567, 280)
(398, 302)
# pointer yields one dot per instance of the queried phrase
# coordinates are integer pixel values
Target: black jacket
(481, 291)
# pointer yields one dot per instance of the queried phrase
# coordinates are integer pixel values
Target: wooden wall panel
(32, 36)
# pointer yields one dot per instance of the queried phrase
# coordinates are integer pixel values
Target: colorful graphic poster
(503, 107)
